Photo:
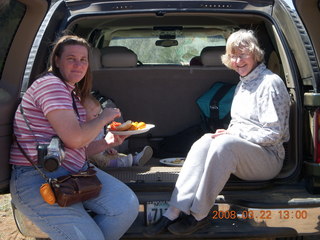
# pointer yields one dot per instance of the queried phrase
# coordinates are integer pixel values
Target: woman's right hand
(219, 132)
(114, 140)
(75, 135)
(109, 114)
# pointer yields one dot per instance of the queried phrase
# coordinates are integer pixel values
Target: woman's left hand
(219, 132)
(114, 140)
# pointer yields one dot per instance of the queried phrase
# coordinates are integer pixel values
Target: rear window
(11, 13)
(178, 51)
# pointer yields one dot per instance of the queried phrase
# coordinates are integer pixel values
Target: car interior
(164, 93)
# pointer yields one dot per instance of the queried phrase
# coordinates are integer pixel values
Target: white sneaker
(124, 160)
(144, 156)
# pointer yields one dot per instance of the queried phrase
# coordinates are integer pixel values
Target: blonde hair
(91, 99)
(243, 40)
(92, 106)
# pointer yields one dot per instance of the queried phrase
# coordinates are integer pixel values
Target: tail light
(317, 136)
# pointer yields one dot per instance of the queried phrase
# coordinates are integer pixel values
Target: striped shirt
(46, 94)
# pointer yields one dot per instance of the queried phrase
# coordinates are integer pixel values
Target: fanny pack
(74, 188)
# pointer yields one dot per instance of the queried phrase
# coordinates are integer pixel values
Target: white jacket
(260, 110)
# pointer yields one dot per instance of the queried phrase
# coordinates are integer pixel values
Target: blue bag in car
(215, 105)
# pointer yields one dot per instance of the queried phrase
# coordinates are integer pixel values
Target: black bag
(178, 145)
(215, 105)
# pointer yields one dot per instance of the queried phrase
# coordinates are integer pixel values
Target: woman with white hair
(251, 147)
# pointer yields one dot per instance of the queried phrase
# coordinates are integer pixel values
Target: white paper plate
(177, 161)
(134, 132)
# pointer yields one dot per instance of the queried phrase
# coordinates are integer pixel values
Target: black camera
(51, 155)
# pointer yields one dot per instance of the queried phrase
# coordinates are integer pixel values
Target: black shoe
(187, 225)
(159, 227)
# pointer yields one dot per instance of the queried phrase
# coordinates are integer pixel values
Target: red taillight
(317, 136)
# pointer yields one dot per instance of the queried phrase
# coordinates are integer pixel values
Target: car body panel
(309, 13)
(12, 74)
(309, 71)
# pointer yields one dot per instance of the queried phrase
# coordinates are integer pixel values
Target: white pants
(208, 166)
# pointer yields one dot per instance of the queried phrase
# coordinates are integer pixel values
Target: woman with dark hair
(52, 106)
(251, 147)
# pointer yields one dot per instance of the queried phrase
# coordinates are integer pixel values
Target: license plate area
(154, 211)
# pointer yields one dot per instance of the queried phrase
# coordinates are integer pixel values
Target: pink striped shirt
(46, 94)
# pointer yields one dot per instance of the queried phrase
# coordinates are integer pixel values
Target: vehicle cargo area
(165, 94)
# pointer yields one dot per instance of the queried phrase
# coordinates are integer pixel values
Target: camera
(51, 155)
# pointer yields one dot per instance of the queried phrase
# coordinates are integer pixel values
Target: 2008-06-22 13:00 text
(260, 214)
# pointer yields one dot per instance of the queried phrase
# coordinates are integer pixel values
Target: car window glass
(180, 54)
(11, 13)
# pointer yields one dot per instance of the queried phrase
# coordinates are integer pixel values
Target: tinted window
(11, 13)
(180, 54)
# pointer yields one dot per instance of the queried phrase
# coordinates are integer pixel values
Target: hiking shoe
(144, 156)
(159, 227)
(187, 225)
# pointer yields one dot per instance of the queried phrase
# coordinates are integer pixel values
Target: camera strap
(27, 122)
(74, 105)
(27, 157)
(22, 150)
(28, 125)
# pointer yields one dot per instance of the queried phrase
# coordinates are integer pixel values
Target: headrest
(118, 56)
(95, 59)
(211, 56)
(195, 61)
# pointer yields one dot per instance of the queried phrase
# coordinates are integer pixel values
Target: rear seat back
(118, 56)
(163, 95)
(211, 56)
(95, 59)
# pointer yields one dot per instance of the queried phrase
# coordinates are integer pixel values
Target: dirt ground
(8, 229)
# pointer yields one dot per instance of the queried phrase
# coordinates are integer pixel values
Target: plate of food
(177, 161)
(129, 128)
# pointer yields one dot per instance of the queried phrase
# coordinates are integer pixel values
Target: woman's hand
(105, 144)
(113, 140)
(109, 114)
(219, 132)
(75, 135)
